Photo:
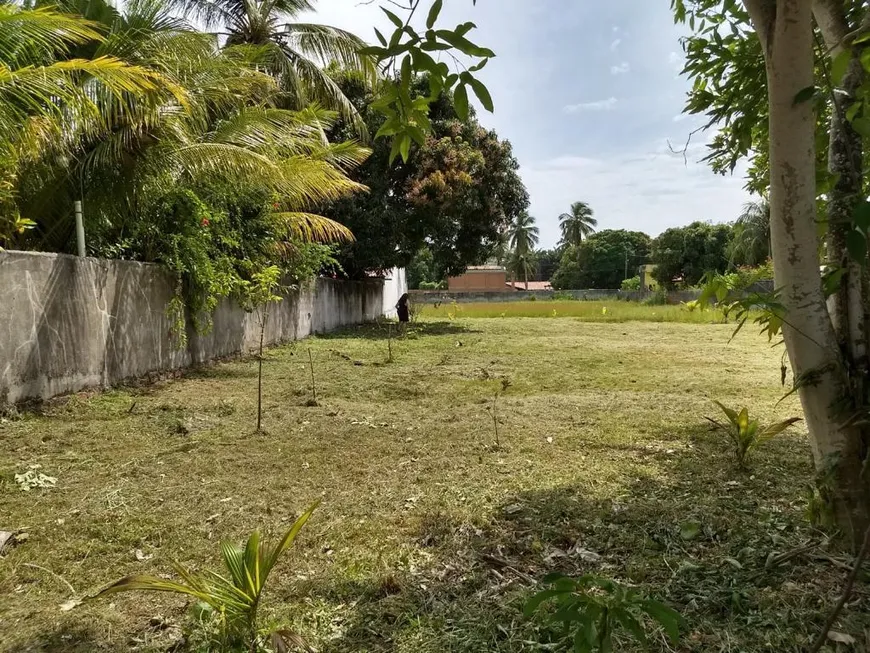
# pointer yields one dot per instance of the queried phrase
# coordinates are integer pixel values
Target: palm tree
(47, 93)
(577, 225)
(751, 242)
(298, 52)
(216, 123)
(523, 238)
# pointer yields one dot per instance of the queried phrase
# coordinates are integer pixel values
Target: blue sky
(589, 94)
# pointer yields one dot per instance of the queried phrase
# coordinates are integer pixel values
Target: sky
(589, 94)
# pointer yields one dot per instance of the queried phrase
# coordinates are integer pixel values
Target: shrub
(631, 284)
(594, 607)
(746, 434)
(564, 296)
(429, 285)
(232, 602)
(658, 298)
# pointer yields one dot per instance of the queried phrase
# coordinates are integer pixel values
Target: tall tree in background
(297, 52)
(797, 131)
(455, 195)
(577, 225)
(750, 244)
(601, 261)
(524, 235)
(689, 252)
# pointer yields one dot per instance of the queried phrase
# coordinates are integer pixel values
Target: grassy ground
(429, 537)
(597, 311)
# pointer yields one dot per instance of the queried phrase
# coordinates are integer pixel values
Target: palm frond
(309, 227)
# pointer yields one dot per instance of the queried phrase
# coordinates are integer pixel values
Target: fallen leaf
(141, 556)
(66, 606)
(842, 638)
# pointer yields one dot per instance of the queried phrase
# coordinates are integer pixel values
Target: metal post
(80, 228)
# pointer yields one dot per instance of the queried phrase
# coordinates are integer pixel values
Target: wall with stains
(69, 323)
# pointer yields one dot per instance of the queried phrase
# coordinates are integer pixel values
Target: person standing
(403, 309)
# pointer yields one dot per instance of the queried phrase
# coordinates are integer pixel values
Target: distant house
(480, 278)
(533, 285)
(647, 282)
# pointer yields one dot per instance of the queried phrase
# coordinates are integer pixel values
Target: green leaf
(398, 22)
(482, 94)
(535, 602)
(776, 429)
(630, 623)
(804, 94)
(423, 61)
(839, 66)
(669, 618)
(395, 149)
(861, 215)
(853, 110)
(478, 66)
(381, 37)
(862, 126)
(464, 28)
(463, 44)
(433, 13)
(460, 101)
(405, 147)
(390, 128)
(856, 244)
(406, 73)
(373, 51)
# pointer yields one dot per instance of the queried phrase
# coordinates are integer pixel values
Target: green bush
(631, 284)
(658, 298)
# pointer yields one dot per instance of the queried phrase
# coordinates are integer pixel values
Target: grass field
(591, 311)
(430, 537)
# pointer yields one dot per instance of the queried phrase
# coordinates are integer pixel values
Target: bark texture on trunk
(785, 28)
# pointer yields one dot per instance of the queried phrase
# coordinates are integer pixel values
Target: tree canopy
(600, 261)
(687, 253)
(455, 194)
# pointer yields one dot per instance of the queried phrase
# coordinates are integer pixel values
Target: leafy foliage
(600, 260)
(455, 196)
(747, 434)
(632, 283)
(407, 113)
(591, 609)
(294, 52)
(232, 600)
(687, 253)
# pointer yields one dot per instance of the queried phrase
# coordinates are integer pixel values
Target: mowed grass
(589, 311)
(429, 538)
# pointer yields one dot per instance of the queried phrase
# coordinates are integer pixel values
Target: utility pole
(626, 263)
(80, 228)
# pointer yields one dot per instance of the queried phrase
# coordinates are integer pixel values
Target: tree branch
(847, 593)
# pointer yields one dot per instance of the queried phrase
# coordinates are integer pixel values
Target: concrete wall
(395, 285)
(68, 323)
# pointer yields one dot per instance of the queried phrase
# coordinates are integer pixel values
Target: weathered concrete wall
(68, 323)
(395, 285)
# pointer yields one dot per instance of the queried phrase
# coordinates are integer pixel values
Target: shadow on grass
(694, 535)
(71, 639)
(381, 331)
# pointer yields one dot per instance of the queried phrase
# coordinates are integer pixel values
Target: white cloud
(620, 69)
(615, 29)
(598, 105)
(648, 189)
(615, 45)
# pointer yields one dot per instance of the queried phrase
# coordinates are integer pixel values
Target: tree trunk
(847, 305)
(786, 32)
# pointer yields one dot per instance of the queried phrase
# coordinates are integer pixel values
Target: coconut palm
(751, 241)
(221, 128)
(577, 225)
(523, 238)
(298, 51)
